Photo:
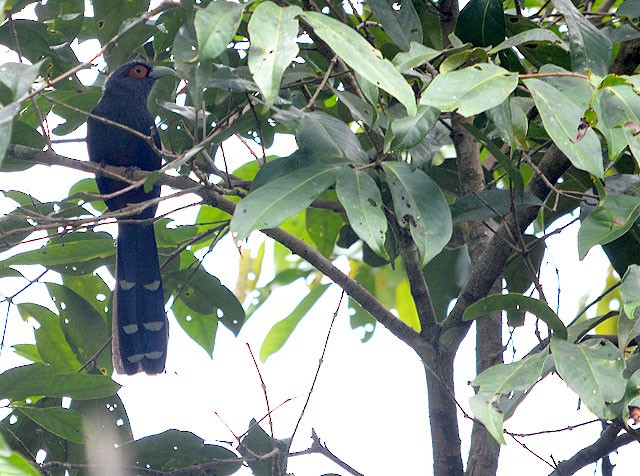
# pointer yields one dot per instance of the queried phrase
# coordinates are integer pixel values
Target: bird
(139, 321)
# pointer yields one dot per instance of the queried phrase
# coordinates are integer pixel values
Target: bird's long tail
(139, 320)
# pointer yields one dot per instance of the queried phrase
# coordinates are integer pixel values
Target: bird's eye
(138, 71)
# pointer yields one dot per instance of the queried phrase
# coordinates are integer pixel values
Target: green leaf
(630, 290)
(19, 77)
(258, 442)
(215, 27)
(362, 57)
(20, 383)
(421, 207)
(537, 35)
(471, 90)
(270, 205)
(516, 302)
(485, 407)
(7, 113)
(323, 227)
(590, 49)
(272, 31)
(612, 218)
(64, 253)
(409, 131)
(109, 15)
(490, 204)
(13, 463)
(323, 136)
(361, 199)
(593, 370)
(174, 449)
(399, 20)
(51, 343)
(202, 328)
(481, 23)
(628, 329)
(282, 330)
(505, 378)
(81, 386)
(561, 118)
(66, 424)
(417, 55)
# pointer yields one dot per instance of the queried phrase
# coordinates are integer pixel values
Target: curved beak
(158, 72)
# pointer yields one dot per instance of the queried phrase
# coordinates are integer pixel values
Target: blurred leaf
(26, 381)
(630, 290)
(109, 15)
(201, 328)
(323, 227)
(505, 378)
(13, 463)
(7, 113)
(362, 57)
(485, 407)
(409, 131)
(282, 330)
(490, 204)
(406, 307)
(258, 442)
(535, 36)
(19, 77)
(272, 31)
(420, 207)
(593, 370)
(417, 55)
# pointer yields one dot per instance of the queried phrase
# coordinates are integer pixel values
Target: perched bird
(140, 327)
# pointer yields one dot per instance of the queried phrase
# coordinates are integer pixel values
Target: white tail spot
(154, 355)
(153, 326)
(152, 286)
(135, 358)
(126, 285)
(130, 329)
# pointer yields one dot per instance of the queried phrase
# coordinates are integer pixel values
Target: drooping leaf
(215, 26)
(517, 302)
(362, 57)
(505, 378)
(593, 370)
(399, 20)
(471, 90)
(282, 330)
(409, 131)
(535, 36)
(485, 407)
(420, 207)
(630, 290)
(417, 55)
(19, 77)
(561, 119)
(273, 32)
(361, 199)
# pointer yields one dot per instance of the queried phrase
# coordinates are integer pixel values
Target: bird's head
(135, 79)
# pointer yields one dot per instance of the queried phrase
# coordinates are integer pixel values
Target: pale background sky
(369, 404)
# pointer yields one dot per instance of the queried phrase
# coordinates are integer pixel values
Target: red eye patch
(138, 71)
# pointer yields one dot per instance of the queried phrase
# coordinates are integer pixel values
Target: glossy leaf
(417, 55)
(362, 57)
(215, 26)
(19, 383)
(399, 20)
(267, 207)
(561, 118)
(535, 36)
(593, 370)
(361, 199)
(471, 90)
(420, 207)
(282, 330)
(273, 31)
(517, 302)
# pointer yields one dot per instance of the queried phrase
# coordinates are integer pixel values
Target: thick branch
(607, 443)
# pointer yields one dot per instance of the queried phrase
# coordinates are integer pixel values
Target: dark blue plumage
(139, 320)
